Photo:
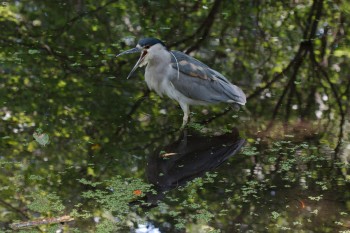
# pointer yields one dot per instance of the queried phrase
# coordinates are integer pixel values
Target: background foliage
(60, 79)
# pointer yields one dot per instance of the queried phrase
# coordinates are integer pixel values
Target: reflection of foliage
(190, 207)
(58, 72)
(107, 226)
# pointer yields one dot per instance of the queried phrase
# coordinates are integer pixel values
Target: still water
(83, 149)
(192, 180)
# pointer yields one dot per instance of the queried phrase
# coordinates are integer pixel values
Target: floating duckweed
(41, 138)
(275, 215)
(46, 203)
(33, 51)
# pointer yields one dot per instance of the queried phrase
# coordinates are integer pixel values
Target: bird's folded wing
(197, 81)
(192, 67)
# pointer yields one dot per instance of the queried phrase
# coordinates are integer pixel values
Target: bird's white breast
(157, 71)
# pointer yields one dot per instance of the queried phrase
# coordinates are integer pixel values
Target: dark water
(86, 150)
(192, 181)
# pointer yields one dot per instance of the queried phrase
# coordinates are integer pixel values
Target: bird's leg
(186, 109)
(182, 139)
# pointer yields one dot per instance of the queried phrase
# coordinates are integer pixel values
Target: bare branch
(70, 22)
(202, 31)
(205, 27)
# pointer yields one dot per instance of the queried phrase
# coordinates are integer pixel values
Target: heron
(182, 77)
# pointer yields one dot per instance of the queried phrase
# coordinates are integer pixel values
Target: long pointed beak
(137, 64)
(134, 50)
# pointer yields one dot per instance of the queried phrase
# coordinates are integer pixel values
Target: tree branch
(133, 109)
(70, 22)
(205, 27)
(9, 206)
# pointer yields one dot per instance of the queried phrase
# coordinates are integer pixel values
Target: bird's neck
(160, 57)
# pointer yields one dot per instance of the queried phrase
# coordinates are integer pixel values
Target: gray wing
(197, 81)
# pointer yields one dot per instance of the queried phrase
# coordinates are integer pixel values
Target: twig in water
(42, 221)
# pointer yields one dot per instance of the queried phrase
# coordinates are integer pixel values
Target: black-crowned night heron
(183, 78)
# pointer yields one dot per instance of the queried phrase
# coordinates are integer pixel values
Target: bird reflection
(187, 158)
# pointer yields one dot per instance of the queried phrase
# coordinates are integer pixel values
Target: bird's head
(147, 47)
